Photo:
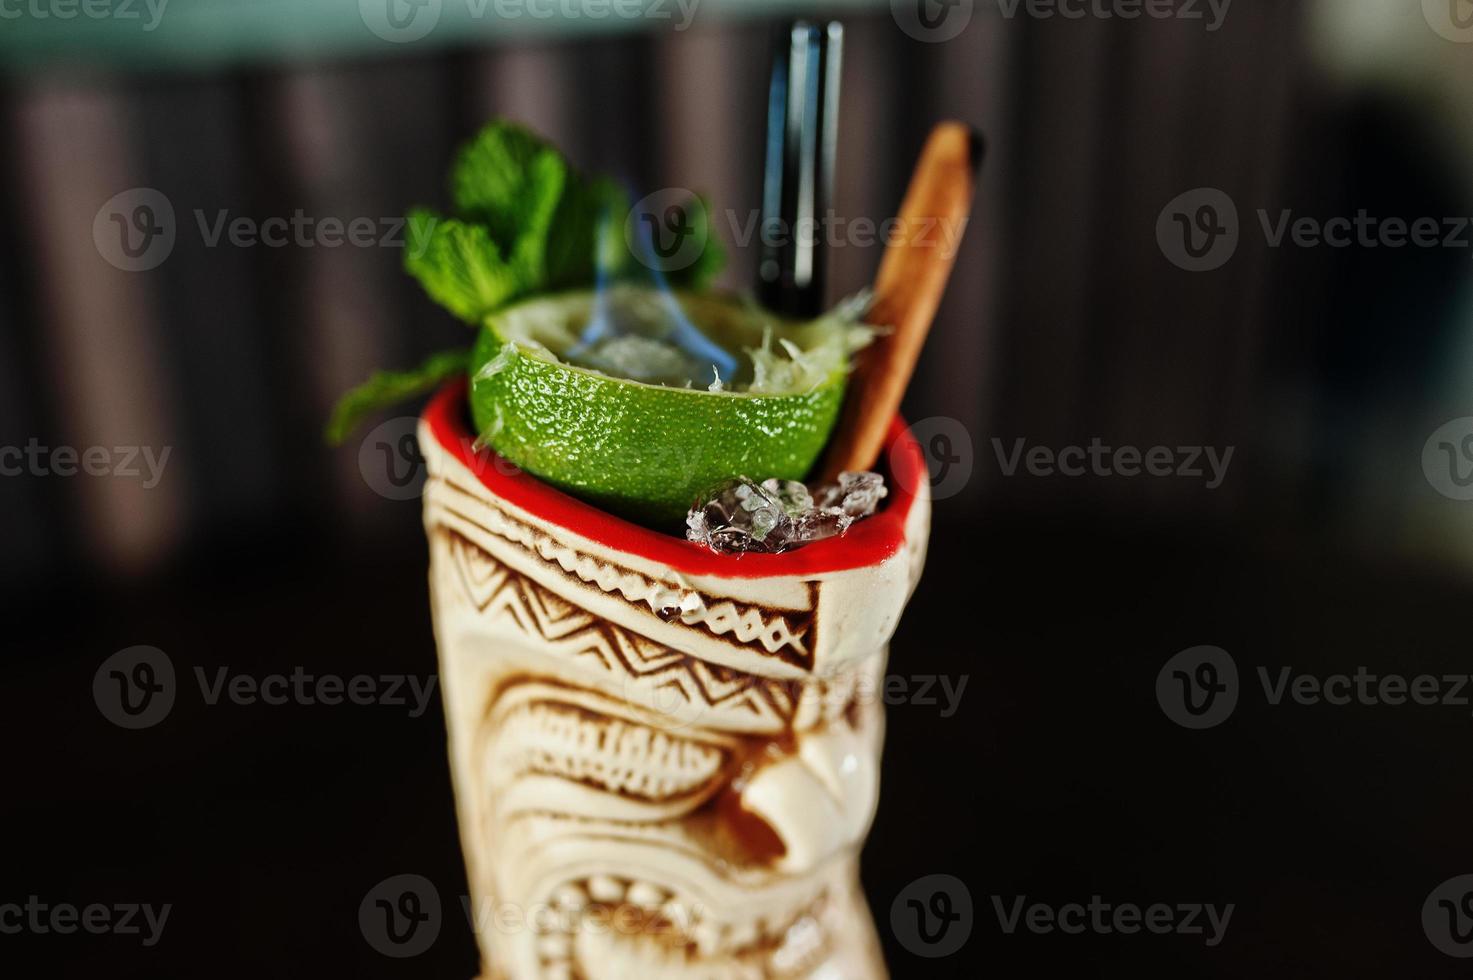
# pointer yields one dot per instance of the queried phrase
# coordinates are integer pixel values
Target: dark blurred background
(1340, 536)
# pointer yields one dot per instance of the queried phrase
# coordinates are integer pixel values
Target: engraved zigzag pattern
(497, 590)
(745, 623)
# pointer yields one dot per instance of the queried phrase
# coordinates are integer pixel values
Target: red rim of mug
(869, 542)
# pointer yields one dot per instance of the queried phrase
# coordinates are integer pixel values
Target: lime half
(590, 392)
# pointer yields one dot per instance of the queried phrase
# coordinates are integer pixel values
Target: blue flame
(684, 334)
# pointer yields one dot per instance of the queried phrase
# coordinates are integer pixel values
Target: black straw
(797, 190)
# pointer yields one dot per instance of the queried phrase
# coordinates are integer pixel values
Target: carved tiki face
(665, 760)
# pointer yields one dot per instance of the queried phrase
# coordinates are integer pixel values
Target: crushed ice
(779, 515)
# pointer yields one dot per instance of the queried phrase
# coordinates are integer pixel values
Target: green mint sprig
(524, 222)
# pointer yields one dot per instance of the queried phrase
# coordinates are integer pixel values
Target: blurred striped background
(1064, 320)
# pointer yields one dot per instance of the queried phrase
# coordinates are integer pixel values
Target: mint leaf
(525, 222)
(503, 179)
(387, 388)
(461, 267)
(513, 183)
(536, 218)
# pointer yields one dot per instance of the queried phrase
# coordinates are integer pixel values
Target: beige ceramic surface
(657, 775)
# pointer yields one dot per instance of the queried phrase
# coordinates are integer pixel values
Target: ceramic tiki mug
(665, 759)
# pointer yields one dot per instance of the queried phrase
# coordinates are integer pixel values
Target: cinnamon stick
(908, 287)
